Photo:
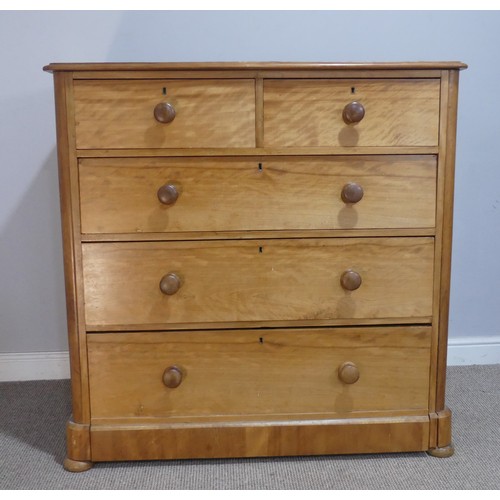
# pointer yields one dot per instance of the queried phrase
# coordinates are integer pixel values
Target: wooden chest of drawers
(257, 257)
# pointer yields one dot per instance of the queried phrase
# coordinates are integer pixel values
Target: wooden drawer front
(308, 113)
(258, 372)
(226, 194)
(265, 281)
(120, 114)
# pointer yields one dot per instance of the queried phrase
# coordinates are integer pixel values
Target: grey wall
(32, 308)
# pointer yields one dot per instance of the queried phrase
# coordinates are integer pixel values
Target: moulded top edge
(207, 66)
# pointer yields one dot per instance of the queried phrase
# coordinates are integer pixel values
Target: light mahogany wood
(267, 419)
(61, 84)
(275, 438)
(164, 112)
(448, 168)
(440, 437)
(247, 235)
(76, 465)
(445, 452)
(172, 377)
(70, 222)
(348, 372)
(417, 320)
(167, 194)
(227, 281)
(353, 112)
(438, 250)
(440, 428)
(350, 280)
(208, 113)
(255, 74)
(248, 243)
(170, 284)
(257, 152)
(309, 113)
(78, 442)
(229, 194)
(259, 112)
(127, 372)
(352, 192)
(238, 66)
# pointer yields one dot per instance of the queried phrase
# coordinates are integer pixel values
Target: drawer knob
(168, 194)
(164, 112)
(172, 377)
(170, 284)
(353, 113)
(352, 193)
(350, 280)
(348, 372)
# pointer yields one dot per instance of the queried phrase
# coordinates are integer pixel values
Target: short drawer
(206, 113)
(211, 283)
(259, 372)
(313, 113)
(125, 195)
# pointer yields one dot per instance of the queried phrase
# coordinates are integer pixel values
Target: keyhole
(353, 90)
(260, 167)
(164, 90)
(261, 249)
(261, 340)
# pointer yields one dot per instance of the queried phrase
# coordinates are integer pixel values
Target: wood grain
(227, 194)
(246, 235)
(438, 248)
(259, 112)
(278, 438)
(258, 152)
(227, 281)
(61, 83)
(134, 327)
(229, 74)
(209, 113)
(252, 65)
(218, 367)
(78, 441)
(245, 355)
(440, 429)
(76, 465)
(265, 419)
(308, 113)
(447, 234)
(444, 428)
(70, 225)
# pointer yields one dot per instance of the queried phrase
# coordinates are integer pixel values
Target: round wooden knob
(170, 284)
(353, 113)
(352, 193)
(348, 372)
(350, 280)
(164, 112)
(172, 377)
(168, 194)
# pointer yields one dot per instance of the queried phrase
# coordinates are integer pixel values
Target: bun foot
(444, 452)
(76, 465)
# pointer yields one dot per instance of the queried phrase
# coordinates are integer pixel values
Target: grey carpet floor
(32, 448)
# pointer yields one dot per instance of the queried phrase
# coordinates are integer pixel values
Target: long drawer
(259, 372)
(134, 195)
(345, 112)
(210, 283)
(195, 113)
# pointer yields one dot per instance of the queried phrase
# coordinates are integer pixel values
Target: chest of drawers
(257, 257)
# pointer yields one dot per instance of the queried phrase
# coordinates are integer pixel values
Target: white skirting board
(474, 351)
(20, 366)
(55, 365)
